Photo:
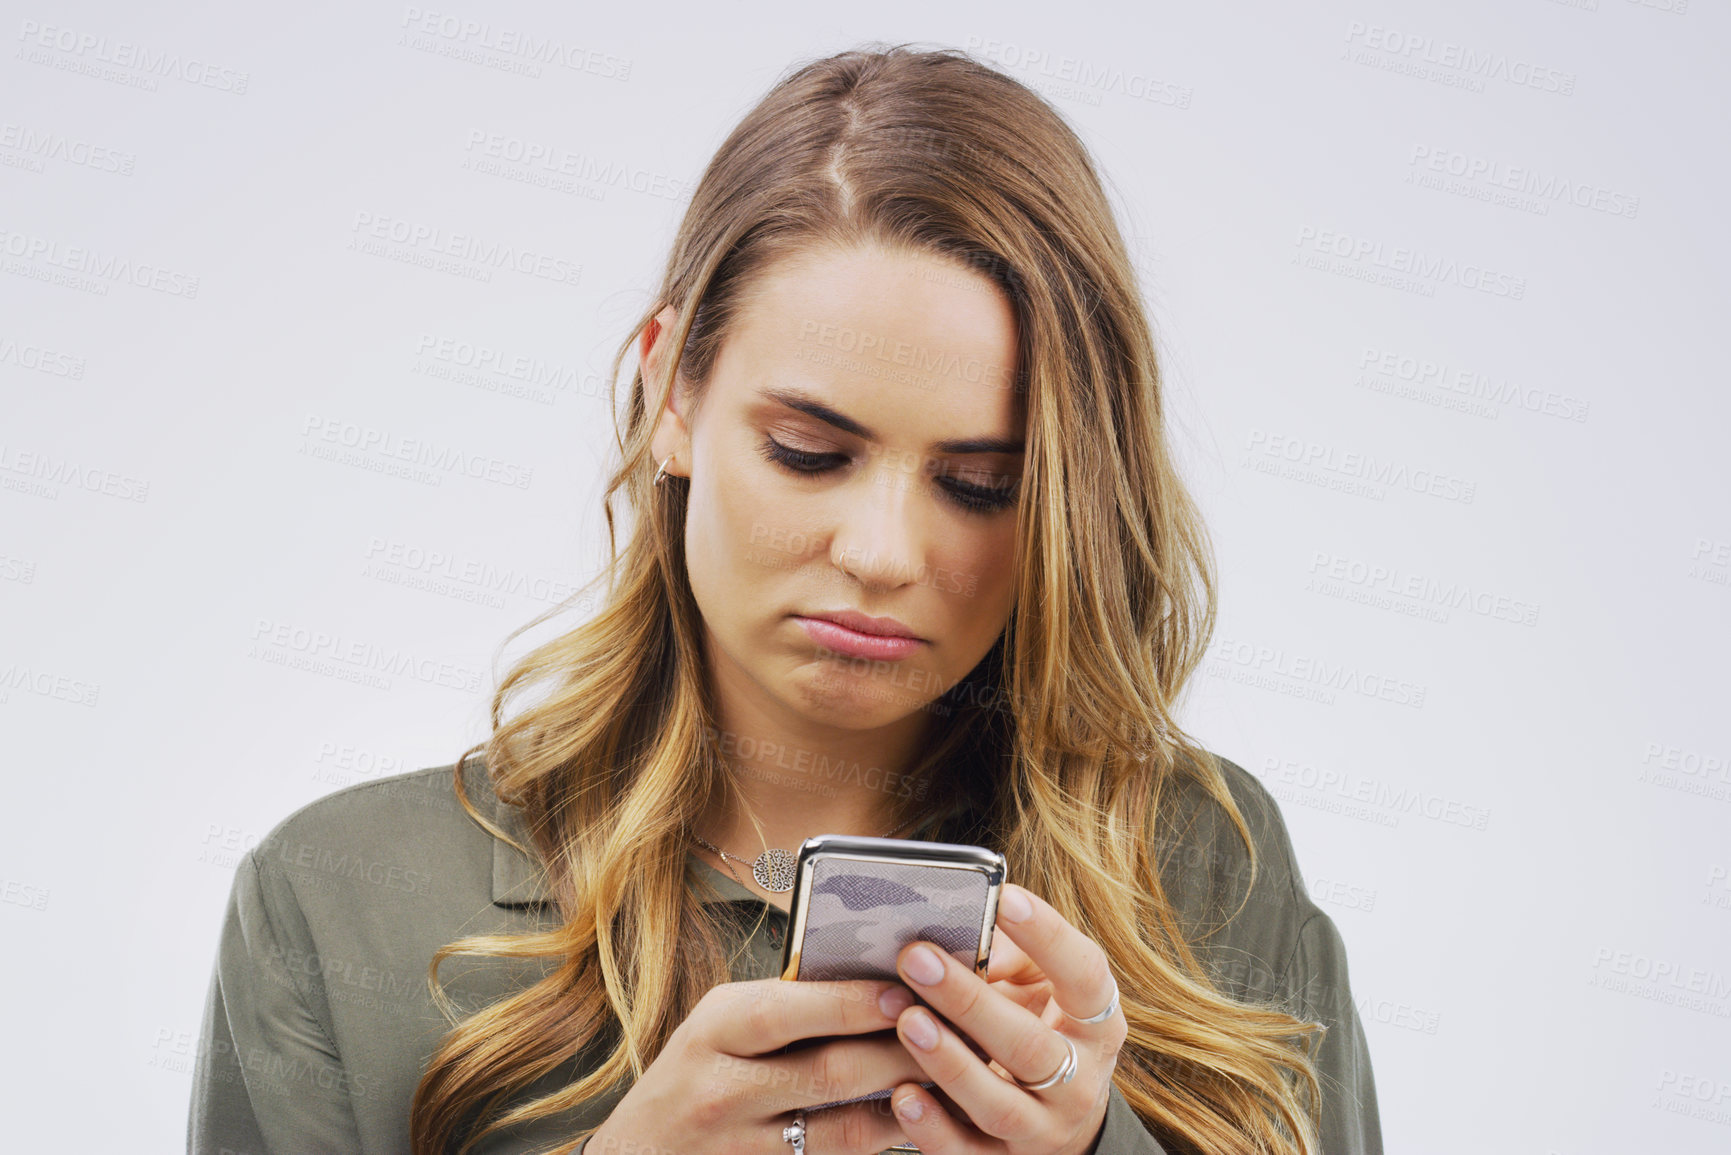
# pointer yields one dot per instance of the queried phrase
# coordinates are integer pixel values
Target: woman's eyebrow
(812, 407)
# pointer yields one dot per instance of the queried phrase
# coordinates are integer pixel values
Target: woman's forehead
(895, 334)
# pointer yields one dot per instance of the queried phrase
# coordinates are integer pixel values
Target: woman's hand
(722, 1084)
(1014, 1025)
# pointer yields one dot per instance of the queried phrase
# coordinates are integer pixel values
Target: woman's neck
(798, 780)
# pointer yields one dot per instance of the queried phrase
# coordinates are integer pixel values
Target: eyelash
(972, 498)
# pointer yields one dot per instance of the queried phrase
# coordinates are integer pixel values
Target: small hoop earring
(662, 474)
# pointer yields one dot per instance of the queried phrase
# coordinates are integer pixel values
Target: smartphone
(857, 901)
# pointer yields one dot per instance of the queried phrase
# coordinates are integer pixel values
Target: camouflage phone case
(858, 901)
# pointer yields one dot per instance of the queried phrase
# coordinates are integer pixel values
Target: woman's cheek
(981, 574)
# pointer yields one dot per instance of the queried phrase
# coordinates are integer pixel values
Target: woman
(912, 560)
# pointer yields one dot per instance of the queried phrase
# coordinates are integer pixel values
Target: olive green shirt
(318, 1021)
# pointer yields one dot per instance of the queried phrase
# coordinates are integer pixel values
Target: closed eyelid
(806, 442)
(982, 495)
(801, 442)
(798, 401)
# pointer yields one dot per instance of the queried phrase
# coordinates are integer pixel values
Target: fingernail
(1015, 905)
(922, 1030)
(894, 1000)
(911, 1109)
(923, 965)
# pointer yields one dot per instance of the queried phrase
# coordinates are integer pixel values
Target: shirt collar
(518, 880)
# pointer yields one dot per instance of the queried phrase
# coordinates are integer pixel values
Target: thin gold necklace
(773, 869)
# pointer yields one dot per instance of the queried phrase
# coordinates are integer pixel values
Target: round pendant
(774, 870)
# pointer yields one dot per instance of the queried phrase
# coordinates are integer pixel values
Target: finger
(931, 1124)
(1007, 1031)
(1009, 961)
(761, 1016)
(856, 1129)
(820, 1073)
(1034, 998)
(1012, 972)
(1078, 969)
(990, 1102)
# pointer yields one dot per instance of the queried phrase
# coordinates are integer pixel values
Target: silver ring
(795, 1132)
(1111, 1009)
(1065, 1072)
(662, 472)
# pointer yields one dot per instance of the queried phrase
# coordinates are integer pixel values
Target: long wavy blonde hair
(1062, 749)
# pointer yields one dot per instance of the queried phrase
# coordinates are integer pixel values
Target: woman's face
(858, 448)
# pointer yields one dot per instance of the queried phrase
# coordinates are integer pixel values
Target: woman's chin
(835, 693)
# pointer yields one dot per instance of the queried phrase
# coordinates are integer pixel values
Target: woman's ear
(671, 434)
(651, 349)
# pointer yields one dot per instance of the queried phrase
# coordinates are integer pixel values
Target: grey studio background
(303, 326)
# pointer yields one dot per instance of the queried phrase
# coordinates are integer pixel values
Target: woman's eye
(798, 459)
(966, 496)
(1001, 494)
(982, 498)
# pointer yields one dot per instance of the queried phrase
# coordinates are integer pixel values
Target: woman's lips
(855, 644)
